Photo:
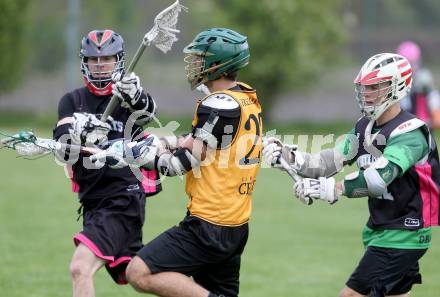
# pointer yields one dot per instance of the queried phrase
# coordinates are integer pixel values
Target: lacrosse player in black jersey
(112, 200)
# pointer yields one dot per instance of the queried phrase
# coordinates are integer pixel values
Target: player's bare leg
(164, 284)
(347, 292)
(83, 267)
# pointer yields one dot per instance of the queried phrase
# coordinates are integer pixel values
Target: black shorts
(211, 254)
(386, 271)
(112, 230)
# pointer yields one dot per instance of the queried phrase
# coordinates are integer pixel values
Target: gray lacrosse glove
(87, 129)
(273, 149)
(322, 188)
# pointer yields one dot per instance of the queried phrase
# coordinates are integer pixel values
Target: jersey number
(246, 160)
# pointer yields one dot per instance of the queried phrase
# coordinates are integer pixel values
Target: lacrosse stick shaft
(296, 178)
(292, 172)
(83, 149)
(114, 100)
(160, 23)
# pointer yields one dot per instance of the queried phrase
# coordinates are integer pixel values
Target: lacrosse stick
(29, 146)
(292, 172)
(162, 35)
(294, 175)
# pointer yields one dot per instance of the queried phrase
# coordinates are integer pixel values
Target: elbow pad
(379, 175)
(373, 181)
(205, 133)
(67, 155)
(177, 163)
(375, 184)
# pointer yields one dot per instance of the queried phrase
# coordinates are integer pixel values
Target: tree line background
(293, 43)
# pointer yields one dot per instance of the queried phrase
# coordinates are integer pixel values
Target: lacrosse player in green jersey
(398, 170)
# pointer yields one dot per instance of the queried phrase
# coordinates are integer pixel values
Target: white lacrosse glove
(129, 91)
(113, 156)
(87, 129)
(298, 190)
(122, 153)
(144, 152)
(273, 149)
(322, 189)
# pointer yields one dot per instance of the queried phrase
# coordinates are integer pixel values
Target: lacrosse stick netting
(26, 144)
(163, 33)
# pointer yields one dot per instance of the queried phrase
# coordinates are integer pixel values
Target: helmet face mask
(383, 81)
(102, 55)
(374, 99)
(195, 69)
(99, 70)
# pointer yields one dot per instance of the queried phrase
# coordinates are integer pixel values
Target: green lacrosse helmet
(213, 53)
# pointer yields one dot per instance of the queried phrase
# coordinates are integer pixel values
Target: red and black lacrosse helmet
(101, 43)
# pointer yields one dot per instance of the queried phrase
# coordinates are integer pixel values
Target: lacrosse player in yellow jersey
(221, 159)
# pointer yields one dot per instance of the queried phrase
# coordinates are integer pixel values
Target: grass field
(293, 250)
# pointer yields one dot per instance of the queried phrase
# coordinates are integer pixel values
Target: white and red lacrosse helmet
(383, 80)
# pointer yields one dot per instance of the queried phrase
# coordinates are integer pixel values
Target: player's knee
(138, 275)
(80, 269)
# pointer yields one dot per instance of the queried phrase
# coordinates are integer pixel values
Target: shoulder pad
(407, 126)
(220, 101)
(245, 86)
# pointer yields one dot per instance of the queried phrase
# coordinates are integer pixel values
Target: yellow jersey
(220, 190)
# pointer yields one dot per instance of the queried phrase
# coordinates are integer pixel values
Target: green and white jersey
(404, 150)
(401, 218)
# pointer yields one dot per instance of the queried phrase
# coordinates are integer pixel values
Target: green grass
(293, 250)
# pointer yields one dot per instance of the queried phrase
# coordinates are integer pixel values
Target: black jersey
(104, 182)
(415, 194)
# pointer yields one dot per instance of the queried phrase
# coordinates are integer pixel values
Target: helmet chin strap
(373, 118)
(368, 137)
(378, 110)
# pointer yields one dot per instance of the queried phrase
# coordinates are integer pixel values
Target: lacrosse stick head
(163, 34)
(10, 141)
(26, 144)
(214, 53)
